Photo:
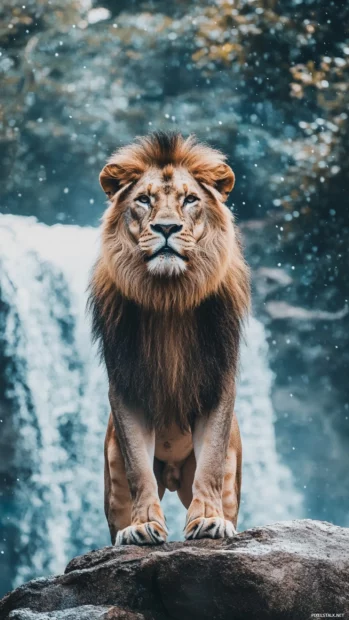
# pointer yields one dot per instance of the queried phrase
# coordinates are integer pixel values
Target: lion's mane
(169, 344)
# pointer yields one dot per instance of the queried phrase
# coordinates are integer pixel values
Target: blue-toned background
(268, 82)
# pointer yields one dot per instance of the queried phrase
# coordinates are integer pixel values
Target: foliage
(295, 55)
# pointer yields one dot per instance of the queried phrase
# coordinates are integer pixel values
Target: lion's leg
(117, 498)
(137, 444)
(211, 435)
(231, 481)
(232, 475)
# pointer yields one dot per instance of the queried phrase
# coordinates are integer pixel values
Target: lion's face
(167, 215)
(168, 238)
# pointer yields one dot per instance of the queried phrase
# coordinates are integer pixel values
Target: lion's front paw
(212, 527)
(151, 533)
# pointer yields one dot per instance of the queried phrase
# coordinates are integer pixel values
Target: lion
(168, 296)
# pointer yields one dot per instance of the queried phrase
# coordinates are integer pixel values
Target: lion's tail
(171, 477)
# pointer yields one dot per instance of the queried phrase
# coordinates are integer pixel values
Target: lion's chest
(172, 367)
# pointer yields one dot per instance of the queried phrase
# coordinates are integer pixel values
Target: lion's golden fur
(169, 321)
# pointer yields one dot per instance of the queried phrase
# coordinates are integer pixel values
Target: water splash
(60, 406)
(268, 491)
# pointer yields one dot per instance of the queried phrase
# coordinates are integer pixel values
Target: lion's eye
(190, 199)
(143, 199)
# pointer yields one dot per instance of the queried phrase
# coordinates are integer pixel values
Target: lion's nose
(166, 229)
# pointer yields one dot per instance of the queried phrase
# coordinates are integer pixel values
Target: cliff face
(287, 570)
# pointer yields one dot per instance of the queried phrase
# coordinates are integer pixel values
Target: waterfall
(59, 403)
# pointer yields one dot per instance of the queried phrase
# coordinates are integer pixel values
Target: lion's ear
(112, 178)
(224, 180)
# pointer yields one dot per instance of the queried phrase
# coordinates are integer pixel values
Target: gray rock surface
(83, 612)
(287, 570)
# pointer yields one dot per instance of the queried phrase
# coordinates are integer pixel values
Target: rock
(82, 612)
(283, 310)
(287, 570)
(309, 358)
(270, 280)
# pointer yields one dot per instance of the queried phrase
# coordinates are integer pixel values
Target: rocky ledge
(283, 571)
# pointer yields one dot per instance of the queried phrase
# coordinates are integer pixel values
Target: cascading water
(59, 403)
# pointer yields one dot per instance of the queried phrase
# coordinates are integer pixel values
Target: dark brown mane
(171, 365)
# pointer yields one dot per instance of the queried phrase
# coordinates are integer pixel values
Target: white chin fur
(163, 265)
